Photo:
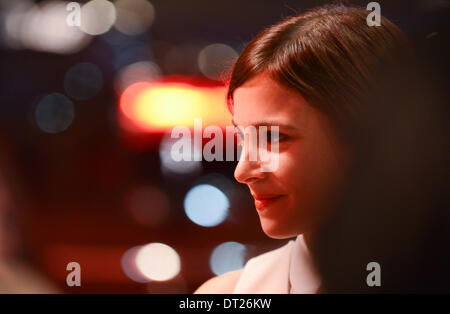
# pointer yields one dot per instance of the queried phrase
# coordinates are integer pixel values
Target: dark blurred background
(84, 170)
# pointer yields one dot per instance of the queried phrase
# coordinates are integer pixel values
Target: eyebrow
(271, 123)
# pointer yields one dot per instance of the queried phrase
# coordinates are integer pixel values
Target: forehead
(261, 98)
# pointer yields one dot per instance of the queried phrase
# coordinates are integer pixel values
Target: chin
(276, 231)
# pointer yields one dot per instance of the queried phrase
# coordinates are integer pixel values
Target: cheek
(312, 179)
(294, 165)
(304, 174)
(293, 175)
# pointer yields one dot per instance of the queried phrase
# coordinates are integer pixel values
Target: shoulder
(222, 284)
(261, 267)
(267, 272)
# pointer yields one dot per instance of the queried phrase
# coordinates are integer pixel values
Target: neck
(310, 241)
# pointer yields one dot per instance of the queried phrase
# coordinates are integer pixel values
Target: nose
(248, 169)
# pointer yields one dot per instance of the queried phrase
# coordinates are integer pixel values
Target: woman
(309, 75)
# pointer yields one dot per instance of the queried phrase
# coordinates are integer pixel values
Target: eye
(272, 139)
(240, 136)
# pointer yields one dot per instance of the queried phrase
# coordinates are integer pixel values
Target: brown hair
(328, 54)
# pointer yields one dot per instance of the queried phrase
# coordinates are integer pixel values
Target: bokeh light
(13, 20)
(54, 113)
(148, 205)
(87, 162)
(143, 71)
(83, 81)
(129, 267)
(114, 38)
(42, 27)
(158, 261)
(134, 16)
(131, 53)
(171, 166)
(227, 257)
(214, 60)
(97, 17)
(206, 205)
(161, 106)
(181, 58)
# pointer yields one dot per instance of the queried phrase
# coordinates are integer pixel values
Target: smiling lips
(263, 201)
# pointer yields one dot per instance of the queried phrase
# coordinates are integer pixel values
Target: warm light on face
(162, 106)
(293, 198)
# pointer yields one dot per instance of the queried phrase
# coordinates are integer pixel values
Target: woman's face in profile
(292, 198)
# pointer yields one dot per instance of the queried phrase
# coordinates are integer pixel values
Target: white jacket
(288, 269)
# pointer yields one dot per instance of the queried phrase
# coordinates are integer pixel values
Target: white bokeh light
(206, 205)
(43, 28)
(227, 257)
(142, 71)
(213, 60)
(97, 17)
(169, 165)
(158, 261)
(128, 263)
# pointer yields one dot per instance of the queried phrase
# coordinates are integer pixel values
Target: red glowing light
(158, 107)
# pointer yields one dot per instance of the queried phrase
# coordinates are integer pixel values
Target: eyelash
(281, 137)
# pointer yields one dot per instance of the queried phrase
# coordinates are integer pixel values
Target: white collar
(303, 277)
